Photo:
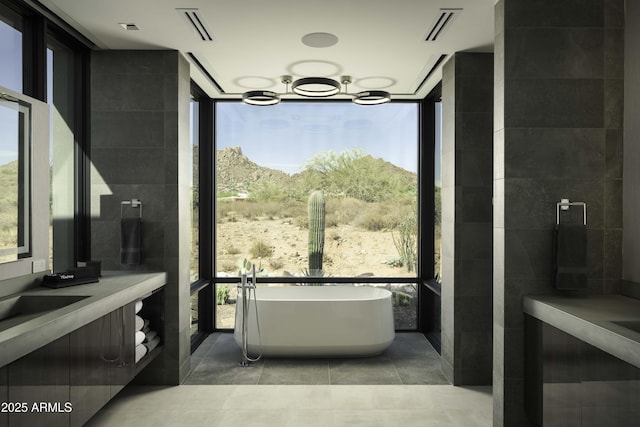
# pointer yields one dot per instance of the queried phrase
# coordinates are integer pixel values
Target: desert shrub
(345, 209)
(405, 240)
(276, 263)
(377, 217)
(231, 250)
(352, 173)
(266, 191)
(222, 294)
(260, 249)
(301, 221)
(228, 267)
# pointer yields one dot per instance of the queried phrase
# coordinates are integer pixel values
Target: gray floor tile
(363, 371)
(295, 371)
(409, 360)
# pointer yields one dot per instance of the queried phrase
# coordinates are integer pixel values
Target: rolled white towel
(140, 337)
(146, 329)
(145, 324)
(149, 336)
(152, 344)
(139, 323)
(138, 306)
(141, 350)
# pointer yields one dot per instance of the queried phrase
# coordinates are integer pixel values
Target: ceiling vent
(193, 17)
(441, 23)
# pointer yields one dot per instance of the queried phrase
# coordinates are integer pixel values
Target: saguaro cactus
(316, 210)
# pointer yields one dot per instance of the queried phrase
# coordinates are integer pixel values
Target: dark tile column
(631, 146)
(467, 165)
(557, 132)
(140, 149)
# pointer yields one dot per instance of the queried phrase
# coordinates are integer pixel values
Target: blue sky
(286, 135)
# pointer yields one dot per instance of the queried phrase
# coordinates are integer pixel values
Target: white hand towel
(149, 336)
(152, 344)
(145, 324)
(139, 323)
(141, 350)
(138, 306)
(140, 337)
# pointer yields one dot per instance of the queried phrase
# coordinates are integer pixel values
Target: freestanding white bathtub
(318, 321)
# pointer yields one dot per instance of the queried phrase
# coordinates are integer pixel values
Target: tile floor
(389, 390)
(409, 360)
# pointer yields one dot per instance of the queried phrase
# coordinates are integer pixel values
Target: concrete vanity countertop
(114, 290)
(592, 319)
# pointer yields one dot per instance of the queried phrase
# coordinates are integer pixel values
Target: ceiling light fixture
(371, 97)
(315, 87)
(260, 97)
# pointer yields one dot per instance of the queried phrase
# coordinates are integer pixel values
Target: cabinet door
(89, 378)
(123, 344)
(4, 397)
(41, 380)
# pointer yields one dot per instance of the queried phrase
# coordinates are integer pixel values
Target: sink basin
(18, 309)
(634, 325)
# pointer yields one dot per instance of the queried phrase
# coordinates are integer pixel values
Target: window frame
(429, 303)
(203, 287)
(39, 26)
(424, 246)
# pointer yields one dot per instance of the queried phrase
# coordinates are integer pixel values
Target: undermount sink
(18, 309)
(633, 325)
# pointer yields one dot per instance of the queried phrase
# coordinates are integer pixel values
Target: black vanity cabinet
(571, 383)
(4, 397)
(38, 389)
(102, 362)
(67, 381)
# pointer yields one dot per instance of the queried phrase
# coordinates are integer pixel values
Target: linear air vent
(193, 17)
(442, 21)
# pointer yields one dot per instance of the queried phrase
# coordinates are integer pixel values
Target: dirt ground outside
(349, 251)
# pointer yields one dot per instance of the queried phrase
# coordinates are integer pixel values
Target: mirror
(15, 178)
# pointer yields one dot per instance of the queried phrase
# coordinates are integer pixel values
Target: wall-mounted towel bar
(565, 204)
(134, 203)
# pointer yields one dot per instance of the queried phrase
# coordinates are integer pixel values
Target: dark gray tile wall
(140, 149)
(559, 84)
(631, 142)
(467, 147)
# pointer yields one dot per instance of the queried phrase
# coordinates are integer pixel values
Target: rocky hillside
(235, 172)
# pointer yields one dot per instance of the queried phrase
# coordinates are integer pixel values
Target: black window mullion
(82, 223)
(206, 301)
(34, 57)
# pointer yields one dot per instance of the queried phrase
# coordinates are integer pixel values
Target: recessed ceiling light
(128, 27)
(319, 39)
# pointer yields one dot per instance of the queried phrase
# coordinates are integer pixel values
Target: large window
(42, 57)
(62, 99)
(437, 194)
(10, 50)
(317, 193)
(194, 264)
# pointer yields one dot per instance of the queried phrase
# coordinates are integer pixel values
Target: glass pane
(317, 189)
(226, 295)
(194, 313)
(61, 99)
(437, 194)
(15, 145)
(195, 194)
(10, 51)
